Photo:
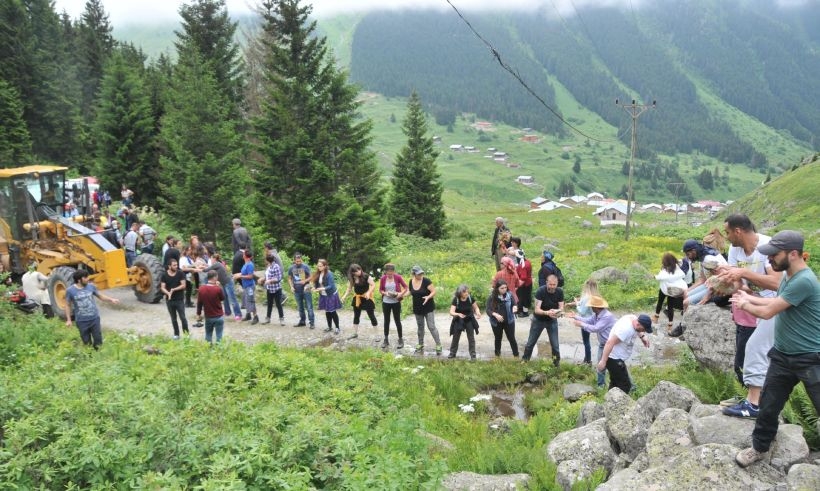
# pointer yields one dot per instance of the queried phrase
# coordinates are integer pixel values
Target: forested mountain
(752, 55)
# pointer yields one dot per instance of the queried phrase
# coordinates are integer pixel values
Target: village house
(525, 180)
(456, 148)
(530, 139)
(537, 201)
(612, 214)
(652, 208)
(549, 206)
(572, 200)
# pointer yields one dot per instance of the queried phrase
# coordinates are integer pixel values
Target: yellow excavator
(33, 228)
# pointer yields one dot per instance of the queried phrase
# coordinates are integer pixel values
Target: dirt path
(153, 319)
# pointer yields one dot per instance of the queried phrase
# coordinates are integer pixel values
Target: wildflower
(467, 408)
(480, 397)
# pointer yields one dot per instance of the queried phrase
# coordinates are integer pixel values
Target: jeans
(508, 329)
(587, 346)
(277, 298)
(230, 300)
(130, 257)
(148, 249)
(214, 324)
(742, 335)
(249, 298)
(538, 325)
(695, 295)
(785, 371)
(304, 300)
(177, 308)
(395, 308)
(601, 375)
(430, 318)
(90, 331)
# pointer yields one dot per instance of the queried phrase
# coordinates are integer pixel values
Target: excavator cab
(37, 226)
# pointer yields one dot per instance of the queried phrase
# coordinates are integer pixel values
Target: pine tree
(94, 46)
(207, 28)
(201, 174)
(576, 167)
(123, 130)
(416, 206)
(316, 184)
(15, 144)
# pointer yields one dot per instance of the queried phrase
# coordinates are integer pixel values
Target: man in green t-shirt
(795, 356)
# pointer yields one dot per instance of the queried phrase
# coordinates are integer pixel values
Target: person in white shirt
(35, 286)
(618, 348)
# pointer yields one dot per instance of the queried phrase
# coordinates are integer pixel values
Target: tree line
(271, 133)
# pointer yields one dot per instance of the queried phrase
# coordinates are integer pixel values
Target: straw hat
(596, 301)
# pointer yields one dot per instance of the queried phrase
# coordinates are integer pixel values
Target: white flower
(481, 397)
(399, 357)
(467, 408)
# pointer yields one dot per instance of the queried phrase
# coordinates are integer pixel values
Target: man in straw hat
(600, 323)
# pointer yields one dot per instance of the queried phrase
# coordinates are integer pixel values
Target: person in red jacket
(524, 292)
(509, 274)
(209, 298)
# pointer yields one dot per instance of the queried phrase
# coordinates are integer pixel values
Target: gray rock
(626, 422)
(702, 410)
(600, 246)
(583, 253)
(723, 429)
(570, 472)
(586, 224)
(436, 440)
(803, 477)
(666, 395)
(623, 479)
(668, 436)
(499, 426)
(789, 447)
(710, 333)
(590, 412)
(610, 274)
(537, 378)
(574, 392)
(470, 481)
(588, 444)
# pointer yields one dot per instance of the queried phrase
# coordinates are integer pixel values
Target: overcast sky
(145, 11)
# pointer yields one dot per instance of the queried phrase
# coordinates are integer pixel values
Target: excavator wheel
(148, 277)
(58, 282)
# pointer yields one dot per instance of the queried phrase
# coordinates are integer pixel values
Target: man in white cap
(794, 357)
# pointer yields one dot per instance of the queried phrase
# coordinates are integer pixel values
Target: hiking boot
(744, 409)
(385, 343)
(255, 320)
(401, 344)
(247, 317)
(749, 456)
(438, 350)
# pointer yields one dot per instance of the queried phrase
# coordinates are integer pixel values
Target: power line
(634, 110)
(521, 81)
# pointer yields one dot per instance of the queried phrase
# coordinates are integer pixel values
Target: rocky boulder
(710, 333)
(610, 274)
(470, 481)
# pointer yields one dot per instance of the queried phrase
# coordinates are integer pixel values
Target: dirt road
(153, 319)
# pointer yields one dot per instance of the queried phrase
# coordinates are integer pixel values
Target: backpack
(557, 272)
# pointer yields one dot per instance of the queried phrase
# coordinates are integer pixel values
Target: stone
(570, 472)
(789, 447)
(710, 334)
(436, 440)
(668, 436)
(702, 410)
(590, 412)
(803, 477)
(610, 274)
(586, 224)
(625, 422)
(723, 429)
(588, 444)
(583, 253)
(537, 378)
(470, 481)
(574, 392)
(666, 395)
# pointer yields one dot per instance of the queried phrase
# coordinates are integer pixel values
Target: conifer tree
(95, 44)
(207, 28)
(201, 173)
(316, 184)
(416, 205)
(15, 144)
(123, 130)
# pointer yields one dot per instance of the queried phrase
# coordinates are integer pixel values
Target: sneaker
(255, 320)
(401, 344)
(337, 331)
(438, 349)
(266, 321)
(237, 318)
(749, 456)
(312, 326)
(385, 343)
(281, 321)
(744, 409)
(175, 338)
(353, 336)
(299, 324)
(419, 349)
(198, 324)
(246, 318)
(731, 402)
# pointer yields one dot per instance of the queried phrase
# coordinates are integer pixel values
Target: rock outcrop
(669, 440)
(710, 333)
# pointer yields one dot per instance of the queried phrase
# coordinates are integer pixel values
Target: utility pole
(677, 190)
(634, 110)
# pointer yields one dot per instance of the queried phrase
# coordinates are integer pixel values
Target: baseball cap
(417, 270)
(689, 245)
(646, 322)
(787, 240)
